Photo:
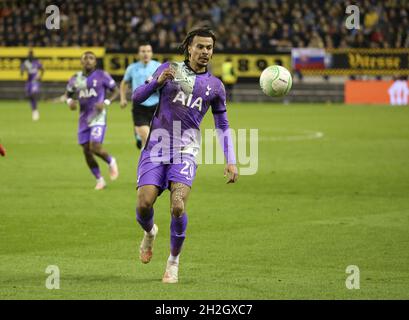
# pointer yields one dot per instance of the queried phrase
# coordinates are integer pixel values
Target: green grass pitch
(316, 205)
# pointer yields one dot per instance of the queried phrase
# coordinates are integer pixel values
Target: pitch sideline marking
(306, 135)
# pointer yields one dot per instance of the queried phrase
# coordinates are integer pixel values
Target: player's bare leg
(93, 166)
(142, 132)
(138, 138)
(178, 200)
(147, 196)
(97, 149)
(34, 109)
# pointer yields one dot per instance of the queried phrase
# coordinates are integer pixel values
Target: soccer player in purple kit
(187, 90)
(35, 72)
(91, 85)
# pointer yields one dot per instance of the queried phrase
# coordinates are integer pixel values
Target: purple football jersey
(183, 103)
(91, 90)
(32, 68)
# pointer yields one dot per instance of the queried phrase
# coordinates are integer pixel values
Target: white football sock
(174, 260)
(151, 233)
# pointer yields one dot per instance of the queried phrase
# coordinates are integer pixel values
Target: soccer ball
(276, 81)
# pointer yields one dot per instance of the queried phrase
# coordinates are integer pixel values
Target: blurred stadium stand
(239, 25)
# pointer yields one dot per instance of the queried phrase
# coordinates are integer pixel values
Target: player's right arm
(41, 74)
(123, 88)
(70, 94)
(163, 74)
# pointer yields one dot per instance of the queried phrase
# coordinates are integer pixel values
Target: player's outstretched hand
(167, 74)
(123, 103)
(231, 172)
(73, 105)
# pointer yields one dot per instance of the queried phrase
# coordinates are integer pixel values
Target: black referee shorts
(142, 115)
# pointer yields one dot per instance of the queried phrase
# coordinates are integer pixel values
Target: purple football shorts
(32, 87)
(92, 134)
(153, 172)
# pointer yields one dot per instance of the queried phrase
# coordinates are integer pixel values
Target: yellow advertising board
(250, 65)
(246, 65)
(59, 63)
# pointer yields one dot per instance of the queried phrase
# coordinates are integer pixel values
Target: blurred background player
(187, 90)
(2, 151)
(91, 85)
(229, 77)
(35, 72)
(138, 73)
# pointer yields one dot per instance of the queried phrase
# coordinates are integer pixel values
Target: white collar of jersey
(190, 68)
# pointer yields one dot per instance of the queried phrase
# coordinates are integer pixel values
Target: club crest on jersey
(186, 100)
(87, 93)
(208, 90)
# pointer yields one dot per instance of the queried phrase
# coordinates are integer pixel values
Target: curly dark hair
(88, 52)
(201, 32)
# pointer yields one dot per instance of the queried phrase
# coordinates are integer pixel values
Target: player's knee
(86, 150)
(144, 204)
(177, 209)
(95, 147)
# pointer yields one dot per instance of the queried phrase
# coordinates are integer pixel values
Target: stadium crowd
(239, 24)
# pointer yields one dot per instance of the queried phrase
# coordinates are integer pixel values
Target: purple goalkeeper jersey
(32, 68)
(91, 90)
(183, 103)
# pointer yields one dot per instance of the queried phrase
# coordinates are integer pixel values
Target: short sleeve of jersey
(108, 81)
(218, 103)
(128, 73)
(71, 85)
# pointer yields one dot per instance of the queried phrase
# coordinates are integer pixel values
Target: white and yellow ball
(276, 81)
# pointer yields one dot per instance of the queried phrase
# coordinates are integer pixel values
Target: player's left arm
(114, 93)
(110, 85)
(40, 76)
(221, 122)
